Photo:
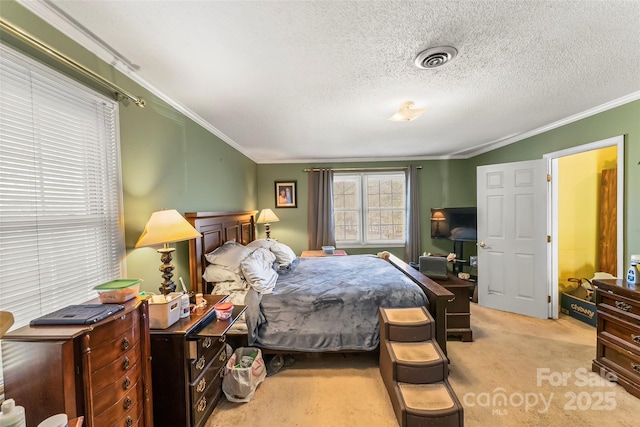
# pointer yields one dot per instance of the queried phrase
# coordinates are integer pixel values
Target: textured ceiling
(291, 81)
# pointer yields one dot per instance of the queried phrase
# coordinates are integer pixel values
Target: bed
(275, 327)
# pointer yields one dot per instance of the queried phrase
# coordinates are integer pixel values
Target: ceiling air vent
(435, 57)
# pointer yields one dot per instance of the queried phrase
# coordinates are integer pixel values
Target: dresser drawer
(106, 375)
(126, 406)
(215, 369)
(203, 407)
(111, 330)
(133, 418)
(619, 304)
(616, 328)
(114, 392)
(205, 345)
(109, 350)
(207, 348)
(620, 359)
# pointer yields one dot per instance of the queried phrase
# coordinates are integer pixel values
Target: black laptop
(83, 314)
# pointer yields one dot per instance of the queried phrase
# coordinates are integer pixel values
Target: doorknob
(482, 244)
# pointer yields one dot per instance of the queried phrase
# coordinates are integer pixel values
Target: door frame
(552, 211)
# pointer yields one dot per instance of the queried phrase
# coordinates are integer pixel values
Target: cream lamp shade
(266, 216)
(165, 227)
(406, 113)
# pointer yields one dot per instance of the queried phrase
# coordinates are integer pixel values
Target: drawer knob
(635, 367)
(206, 343)
(127, 383)
(129, 422)
(200, 363)
(223, 356)
(635, 338)
(201, 385)
(202, 405)
(623, 306)
(125, 344)
(222, 338)
(126, 363)
(127, 402)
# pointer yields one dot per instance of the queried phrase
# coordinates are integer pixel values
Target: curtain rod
(380, 168)
(43, 47)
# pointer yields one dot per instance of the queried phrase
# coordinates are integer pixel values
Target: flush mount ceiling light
(435, 57)
(406, 113)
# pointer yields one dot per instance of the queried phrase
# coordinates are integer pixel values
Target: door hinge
(548, 177)
(548, 298)
(548, 239)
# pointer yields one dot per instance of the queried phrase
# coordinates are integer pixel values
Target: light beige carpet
(539, 369)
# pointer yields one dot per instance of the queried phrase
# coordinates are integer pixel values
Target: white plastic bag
(240, 379)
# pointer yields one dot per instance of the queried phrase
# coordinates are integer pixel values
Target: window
(370, 208)
(61, 230)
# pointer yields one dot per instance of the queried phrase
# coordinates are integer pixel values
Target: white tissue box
(328, 250)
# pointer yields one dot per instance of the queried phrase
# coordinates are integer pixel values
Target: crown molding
(48, 12)
(567, 120)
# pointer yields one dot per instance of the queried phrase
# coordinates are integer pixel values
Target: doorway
(578, 211)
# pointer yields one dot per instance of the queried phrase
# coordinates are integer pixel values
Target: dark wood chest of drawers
(618, 348)
(101, 372)
(188, 366)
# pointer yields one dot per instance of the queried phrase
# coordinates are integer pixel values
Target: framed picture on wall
(286, 196)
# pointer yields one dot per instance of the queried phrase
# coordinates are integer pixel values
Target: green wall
(623, 120)
(168, 161)
(451, 183)
(443, 183)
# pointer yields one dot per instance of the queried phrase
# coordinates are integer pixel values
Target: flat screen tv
(458, 224)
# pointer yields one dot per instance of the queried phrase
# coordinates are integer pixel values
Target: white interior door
(512, 237)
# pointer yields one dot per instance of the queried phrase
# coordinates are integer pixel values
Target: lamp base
(267, 229)
(167, 286)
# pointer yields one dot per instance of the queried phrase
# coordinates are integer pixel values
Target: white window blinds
(61, 230)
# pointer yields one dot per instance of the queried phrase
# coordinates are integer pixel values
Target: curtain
(320, 220)
(412, 246)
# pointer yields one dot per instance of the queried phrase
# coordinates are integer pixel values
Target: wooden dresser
(618, 347)
(101, 372)
(188, 366)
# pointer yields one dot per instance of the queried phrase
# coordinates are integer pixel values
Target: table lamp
(266, 216)
(437, 217)
(164, 227)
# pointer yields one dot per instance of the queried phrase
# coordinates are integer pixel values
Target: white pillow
(229, 256)
(284, 254)
(258, 270)
(262, 243)
(231, 288)
(216, 273)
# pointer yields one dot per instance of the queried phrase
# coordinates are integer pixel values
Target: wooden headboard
(216, 228)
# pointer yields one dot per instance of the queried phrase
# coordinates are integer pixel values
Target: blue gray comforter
(328, 304)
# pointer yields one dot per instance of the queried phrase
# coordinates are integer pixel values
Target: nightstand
(458, 311)
(188, 360)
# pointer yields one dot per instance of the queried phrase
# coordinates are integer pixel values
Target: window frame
(361, 179)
